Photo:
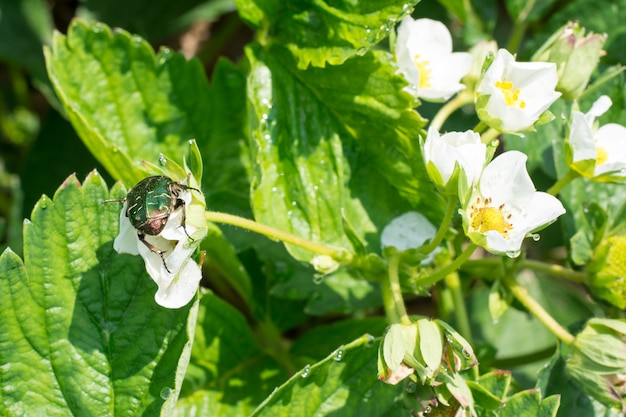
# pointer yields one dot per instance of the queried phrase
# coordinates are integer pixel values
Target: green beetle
(150, 204)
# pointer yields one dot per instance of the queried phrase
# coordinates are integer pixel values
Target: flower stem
(453, 282)
(392, 294)
(443, 228)
(488, 136)
(340, 255)
(553, 269)
(562, 182)
(522, 295)
(448, 269)
(465, 97)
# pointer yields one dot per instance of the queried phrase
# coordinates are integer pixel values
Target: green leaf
(314, 345)
(300, 183)
(228, 375)
(319, 32)
(85, 334)
(127, 104)
(530, 404)
(347, 382)
(303, 125)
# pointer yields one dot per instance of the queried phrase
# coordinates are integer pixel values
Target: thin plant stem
(465, 97)
(448, 269)
(395, 292)
(562, 182)
(443, 228)
(339, 255)
(523, 296)
(553, 269)
(488, 136)
(453, 282)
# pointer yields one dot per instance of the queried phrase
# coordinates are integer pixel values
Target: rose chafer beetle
(150, 204)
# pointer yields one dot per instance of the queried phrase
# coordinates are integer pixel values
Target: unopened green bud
(608, 269)
(576, 56)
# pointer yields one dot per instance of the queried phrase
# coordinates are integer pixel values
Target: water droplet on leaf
(165, 393)
(536, 237)
(513, 253)
(306, 371)
(162, 160)
(410, 387)
(338, 355)
(318, 279)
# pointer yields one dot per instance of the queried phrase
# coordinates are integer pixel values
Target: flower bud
(576, 56)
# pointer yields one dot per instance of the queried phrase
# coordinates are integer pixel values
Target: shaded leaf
(319, 32)
(331, 386)
(228, 375)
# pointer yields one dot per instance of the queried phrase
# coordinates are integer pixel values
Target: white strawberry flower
(598, 153)
(424, 54)
(448, 154)
(505, 207)
(514, 96)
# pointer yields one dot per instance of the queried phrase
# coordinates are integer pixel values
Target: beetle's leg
(142, 238)
(181, 203)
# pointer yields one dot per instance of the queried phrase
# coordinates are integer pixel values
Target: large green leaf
(320, 32)
(80, 332)
(305, 125)
(228, 375)
(126, 103)
(344, 382)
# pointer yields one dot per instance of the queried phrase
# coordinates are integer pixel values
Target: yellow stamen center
(485, 217)
(511, 95)
(423, 66)
(602, 155)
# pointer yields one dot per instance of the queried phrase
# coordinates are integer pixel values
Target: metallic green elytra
(150, 204)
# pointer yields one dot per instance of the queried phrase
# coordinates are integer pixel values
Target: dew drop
(75, 106)
(274, 189)
(165, 393)
(407, 8)
(294, 203)
(97, 28)
(338, 355)
(410, 387)
(428, 409)
(370, 340)
(513, 253)
(43, 203)
(137, 39)
(318, 279)
(367, 395)
(289, 213)
(536, 237)
(466, 353)
(162, 160)
(265, 116)
(306, 371)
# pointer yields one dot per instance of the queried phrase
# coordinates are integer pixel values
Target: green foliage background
(305, 127)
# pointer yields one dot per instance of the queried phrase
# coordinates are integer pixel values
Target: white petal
(540, 211)
(599, 107)
(127, 240)
(505, 179)
(182, 290)
(581, 138)
(612, 138)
